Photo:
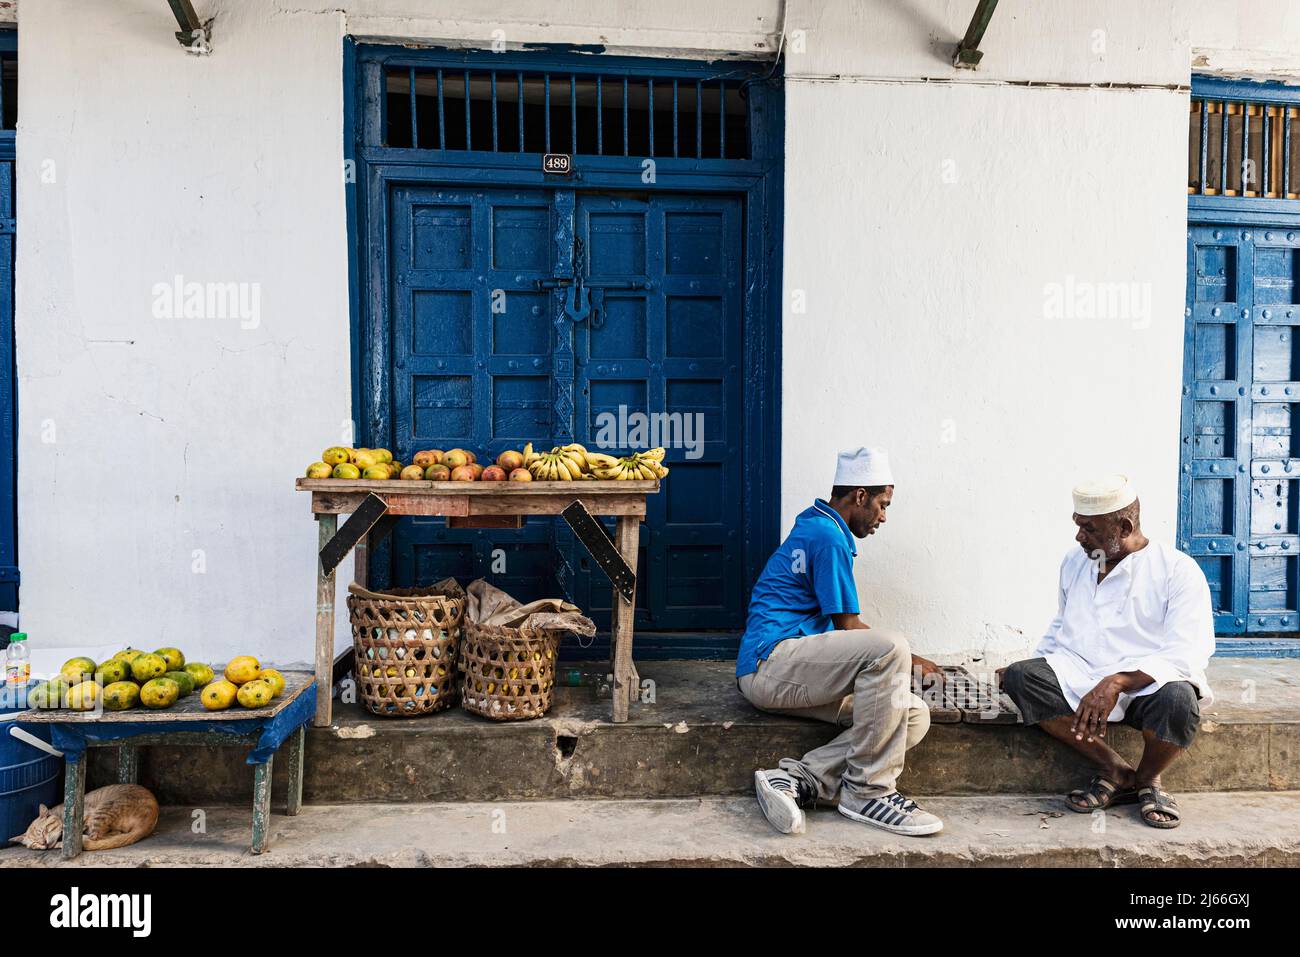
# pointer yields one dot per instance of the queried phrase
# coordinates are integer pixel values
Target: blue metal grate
(1243, 146)
(522, 111)
(8, 78)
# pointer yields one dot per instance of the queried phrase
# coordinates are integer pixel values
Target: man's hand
(1095, 708)
(927, 666)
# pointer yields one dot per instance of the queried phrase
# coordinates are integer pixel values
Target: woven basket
(509, 672)
(405, 644)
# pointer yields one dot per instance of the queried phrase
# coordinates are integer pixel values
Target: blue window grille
(584, 115)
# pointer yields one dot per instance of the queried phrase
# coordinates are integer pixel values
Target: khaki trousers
(859, 679)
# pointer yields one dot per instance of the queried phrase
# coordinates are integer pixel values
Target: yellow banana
(655, 454)
(645, 470)
(599, 460)
(577, 464)
(529, 455)
(562, 464)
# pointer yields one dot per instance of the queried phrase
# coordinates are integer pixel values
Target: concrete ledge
(1247, 829)
(700, 737)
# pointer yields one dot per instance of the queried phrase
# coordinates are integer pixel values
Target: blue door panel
(471, 357)
(1240, 467)
(666, 336)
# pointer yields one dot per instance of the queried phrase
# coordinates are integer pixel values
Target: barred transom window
(1243, 148)
(530, 112)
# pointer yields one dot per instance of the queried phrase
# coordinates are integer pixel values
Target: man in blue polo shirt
(806, 652)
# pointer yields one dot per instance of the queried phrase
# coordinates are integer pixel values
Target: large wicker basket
(405, 643)
(509, 672)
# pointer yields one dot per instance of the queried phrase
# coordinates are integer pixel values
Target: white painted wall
(146, 439)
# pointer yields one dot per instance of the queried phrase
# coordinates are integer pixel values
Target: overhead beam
(968, 53)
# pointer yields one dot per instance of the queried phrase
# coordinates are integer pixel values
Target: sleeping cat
(116, 815)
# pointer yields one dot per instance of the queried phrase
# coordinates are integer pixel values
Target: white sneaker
(892, 812)
(782, 798)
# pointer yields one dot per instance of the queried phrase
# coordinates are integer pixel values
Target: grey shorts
(1172, 714)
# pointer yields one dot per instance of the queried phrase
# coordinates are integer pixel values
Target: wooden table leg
(328, 525)
(128, 764)
(261, 804)
(627, 538)
(297, 744)
(74, 805)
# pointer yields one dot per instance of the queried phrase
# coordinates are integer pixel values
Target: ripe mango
(183, 681)
(218, 695)
(121, 695)
(115, 669)
(201, 674)
(159, 693)
(82, 697)
(147, 667)
(175, 660)
(255, 694)
(242, 669)
(274, 679)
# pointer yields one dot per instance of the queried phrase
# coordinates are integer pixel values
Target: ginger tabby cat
(116, 815)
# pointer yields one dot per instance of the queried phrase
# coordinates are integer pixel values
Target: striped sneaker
(893, 812)
(782, 798)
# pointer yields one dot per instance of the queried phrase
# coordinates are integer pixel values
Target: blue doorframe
(8, 367)
(756, 181)
(1239, 501)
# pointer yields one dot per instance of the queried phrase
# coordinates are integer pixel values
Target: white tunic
(1151, 613)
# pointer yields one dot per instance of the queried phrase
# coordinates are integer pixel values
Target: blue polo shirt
(808, 579)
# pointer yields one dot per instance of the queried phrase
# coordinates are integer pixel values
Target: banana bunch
(639, 465)
(566, 463)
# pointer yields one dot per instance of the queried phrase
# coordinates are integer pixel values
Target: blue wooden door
(485, 356)
(1241, 424)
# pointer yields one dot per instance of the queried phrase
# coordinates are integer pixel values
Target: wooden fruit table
(376, 505)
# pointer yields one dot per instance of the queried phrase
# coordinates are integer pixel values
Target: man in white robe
(1133, 633)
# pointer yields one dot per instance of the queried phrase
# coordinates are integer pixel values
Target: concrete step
(699, 737)
(1243, 829)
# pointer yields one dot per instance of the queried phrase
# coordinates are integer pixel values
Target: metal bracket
(368, 513)
(596, 540)
(968, 53)
(194, 35)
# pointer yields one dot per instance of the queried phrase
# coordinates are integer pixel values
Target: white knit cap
(1101, 496)
(863, 467)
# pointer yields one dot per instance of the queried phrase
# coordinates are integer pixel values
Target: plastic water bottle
(18, 665)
